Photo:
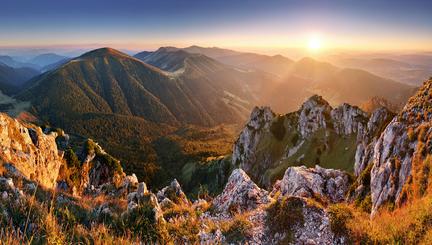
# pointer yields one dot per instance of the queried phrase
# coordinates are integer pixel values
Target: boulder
(240, 193)
(300, 181)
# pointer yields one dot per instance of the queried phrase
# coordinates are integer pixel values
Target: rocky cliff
(30, 151)
(315, 134)
(401, 151)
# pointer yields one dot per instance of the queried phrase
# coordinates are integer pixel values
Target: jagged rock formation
(313, 115)
(30, 151)
(366, 141)
(245, 147)
(172, 193)
(315, 134)
(328, 184)
(407, 139)
(241, 194)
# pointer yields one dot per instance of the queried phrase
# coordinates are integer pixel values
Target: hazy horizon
(275, 27)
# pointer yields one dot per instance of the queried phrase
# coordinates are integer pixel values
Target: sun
(314, 43)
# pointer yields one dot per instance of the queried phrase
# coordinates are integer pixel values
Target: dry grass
(410, 224)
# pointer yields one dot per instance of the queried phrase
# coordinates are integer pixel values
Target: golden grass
(410, 224)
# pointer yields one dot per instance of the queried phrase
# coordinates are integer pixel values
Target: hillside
(109, 82)
(105, 89)
(43, 60)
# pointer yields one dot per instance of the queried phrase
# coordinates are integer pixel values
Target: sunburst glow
(314, 43)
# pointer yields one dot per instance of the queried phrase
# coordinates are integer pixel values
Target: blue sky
(138, 24)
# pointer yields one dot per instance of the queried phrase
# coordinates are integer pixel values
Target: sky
(253, 25)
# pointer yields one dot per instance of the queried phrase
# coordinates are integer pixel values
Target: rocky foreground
(50, 195)
(33, 165)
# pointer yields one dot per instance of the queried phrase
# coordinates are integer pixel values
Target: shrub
(143, 224)
(277, 128)
(339, 215)
(284, 215)
(71, 159)
(237, 230)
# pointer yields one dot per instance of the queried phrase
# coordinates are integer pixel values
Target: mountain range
(153, 96)
(294, 81)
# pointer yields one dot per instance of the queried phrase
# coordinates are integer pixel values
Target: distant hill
(289, 82)
(43, 60)
(128, 105)
(337, 85)
(165, 58)
(11, 62)
(11, 79)
(409, 69)
(377, 102)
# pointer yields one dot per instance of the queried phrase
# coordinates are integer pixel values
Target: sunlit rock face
(246, 144)
(398, 145)
(30, 151)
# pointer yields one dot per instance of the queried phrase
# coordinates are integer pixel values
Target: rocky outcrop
(316, 129)
(397, 146)
(313, 115)
(30, 151)
(312, 227)
(348, 119)
(327, 184)
(101, 168)
(240, 194)
(245, 147)
(368, 137)
(173, 193)
(311, 224)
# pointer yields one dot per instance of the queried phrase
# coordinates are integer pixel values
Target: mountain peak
(315, 100)
(168, 49)
(106, 51)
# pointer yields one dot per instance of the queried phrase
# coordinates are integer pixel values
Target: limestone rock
(245, 146)
(348, 119)
(269, 140)
(309, 182)
(395, 149)
(240, 192)
(174, 193)
(29, 150)
(368, 137)
(130, 181)
(313, 115)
